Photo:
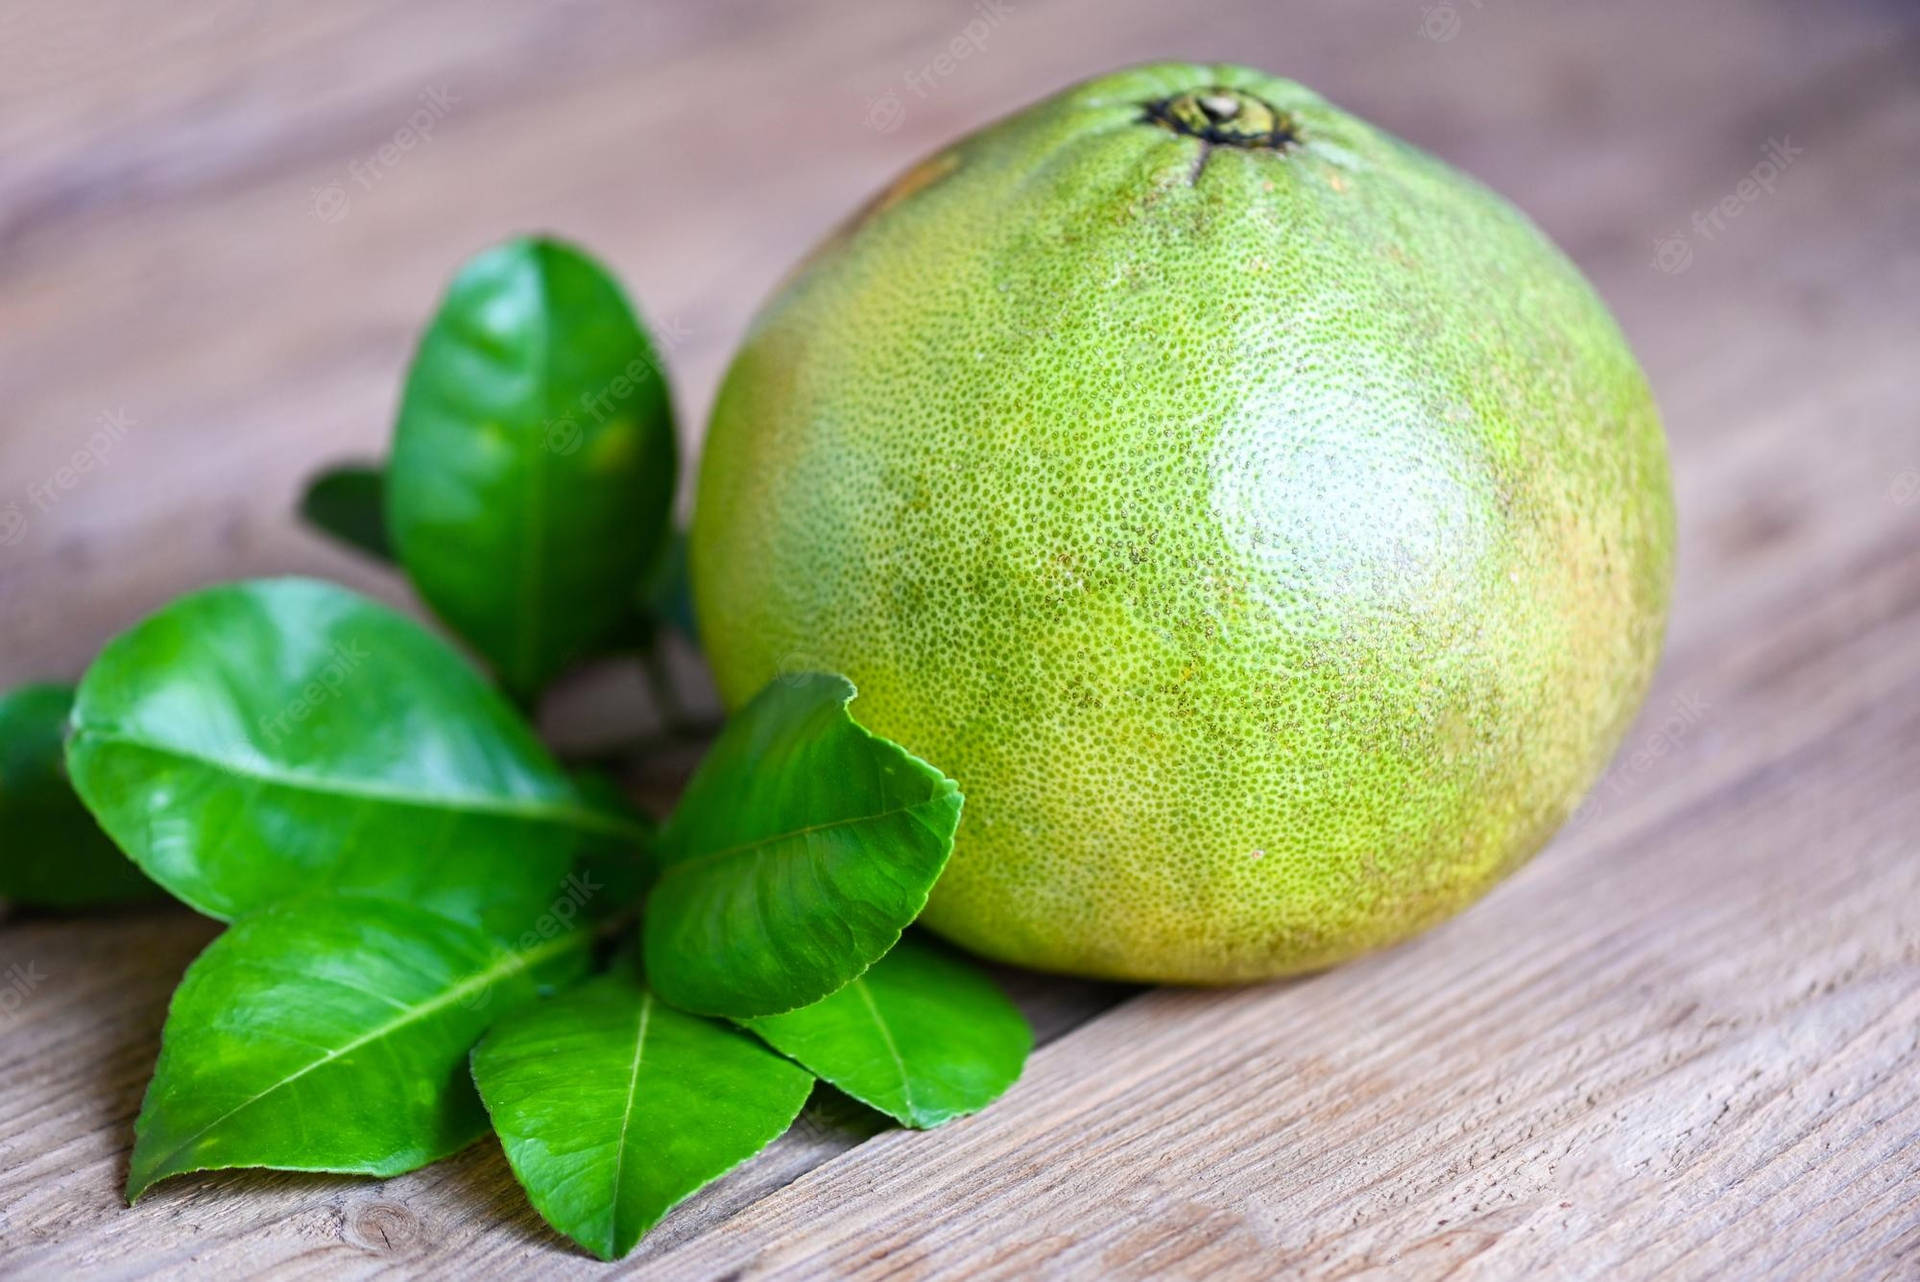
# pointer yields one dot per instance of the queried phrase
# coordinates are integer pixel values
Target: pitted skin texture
(1274, 541)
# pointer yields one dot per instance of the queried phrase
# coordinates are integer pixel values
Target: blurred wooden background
(1685, 1042)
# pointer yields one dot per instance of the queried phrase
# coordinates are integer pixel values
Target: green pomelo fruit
(1263, 522)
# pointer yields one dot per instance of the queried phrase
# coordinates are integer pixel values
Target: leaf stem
(666, 700)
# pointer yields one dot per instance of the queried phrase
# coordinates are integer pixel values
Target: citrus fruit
(1265, 524)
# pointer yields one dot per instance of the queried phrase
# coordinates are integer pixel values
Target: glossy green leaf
(922, 1036)
(52, 853)
(271, 738)
(613, 1107)
(534, 460)
(331, 1034)
(349, 502)
(802, 848)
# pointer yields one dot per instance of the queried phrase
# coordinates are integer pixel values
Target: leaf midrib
(492, 974)
(626, 1116)
(893, 1049)
(568, 816)
(790, 834)
(533, 534)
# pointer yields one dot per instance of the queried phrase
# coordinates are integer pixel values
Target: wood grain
(1685, 1042)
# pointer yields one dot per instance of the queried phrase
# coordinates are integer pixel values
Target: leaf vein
(626, 1116)
(790, 834)
(503, 966)
(886, 1035)
(564, 816)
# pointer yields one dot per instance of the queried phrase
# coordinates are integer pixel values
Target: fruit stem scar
(1225, 118)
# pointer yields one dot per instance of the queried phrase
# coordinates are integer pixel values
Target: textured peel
(1274, 541)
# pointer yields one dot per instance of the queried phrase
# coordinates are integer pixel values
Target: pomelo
(1263, 522)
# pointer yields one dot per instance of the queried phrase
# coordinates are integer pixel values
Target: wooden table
(1685, 1042)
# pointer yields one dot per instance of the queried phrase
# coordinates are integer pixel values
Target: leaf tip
(140, 1178)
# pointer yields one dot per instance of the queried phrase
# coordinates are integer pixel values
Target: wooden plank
(1681, 1044)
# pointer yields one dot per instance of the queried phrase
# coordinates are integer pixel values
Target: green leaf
(534, 460)
(349, 502)
(267, 739)
(331, 1034)
(55, 855)
(922, 1036)
(799, 852)
(613, 1107)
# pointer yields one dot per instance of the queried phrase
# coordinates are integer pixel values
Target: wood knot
(383, 1227)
